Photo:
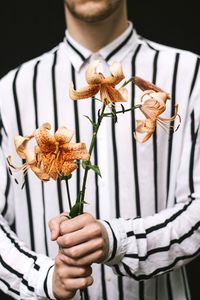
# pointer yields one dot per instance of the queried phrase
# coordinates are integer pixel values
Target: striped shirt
(148, 195)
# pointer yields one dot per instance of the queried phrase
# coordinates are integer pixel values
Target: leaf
(75, 210)
(96, 169)
(89, 120)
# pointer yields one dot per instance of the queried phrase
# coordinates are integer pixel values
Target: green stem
(122, 111)
(82, 295)
(68, 194)
(92, 143)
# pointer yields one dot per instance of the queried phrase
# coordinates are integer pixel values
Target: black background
(29, 28)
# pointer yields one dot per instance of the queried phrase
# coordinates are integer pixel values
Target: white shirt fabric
(149, 194)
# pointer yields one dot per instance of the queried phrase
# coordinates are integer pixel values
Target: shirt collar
(114, 51)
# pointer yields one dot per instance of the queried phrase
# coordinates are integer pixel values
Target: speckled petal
(63, 135)
(45, 140)
(75, 151)
(68, 168)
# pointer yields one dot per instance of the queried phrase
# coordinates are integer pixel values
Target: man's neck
(94, 36)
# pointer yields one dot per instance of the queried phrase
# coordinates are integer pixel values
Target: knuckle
(96, 229)
(62, 228)
(88, 217)
(73, 252)
(57, 261)
(67, 239)
(100, 243)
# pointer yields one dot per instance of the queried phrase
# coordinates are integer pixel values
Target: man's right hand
(68, 279)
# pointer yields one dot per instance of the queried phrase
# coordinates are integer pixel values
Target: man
(148, 195)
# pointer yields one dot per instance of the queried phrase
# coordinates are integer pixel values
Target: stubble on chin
(92, 11)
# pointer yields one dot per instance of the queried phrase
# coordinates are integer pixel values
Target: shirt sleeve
(145, 247)
(23, 273)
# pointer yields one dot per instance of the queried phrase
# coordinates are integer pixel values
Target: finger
(69, 271)
(83, 249)
(72, 284)
(54, 225)
(85, 234)
(76, 223)
(89, 259)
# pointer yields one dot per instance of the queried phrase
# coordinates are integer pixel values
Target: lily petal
(146, 85)
(63, 135)
(68, 168)
(92, 77)
(116, 74)
(109, 94)
(145, 126)
(44, 139)
(21, 143)
(83, 93)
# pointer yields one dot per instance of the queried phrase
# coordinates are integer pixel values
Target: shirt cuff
(117, 241)
(44, 286)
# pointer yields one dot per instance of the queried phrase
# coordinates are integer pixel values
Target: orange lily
(105, 85)
(153, 104)
(53, 156)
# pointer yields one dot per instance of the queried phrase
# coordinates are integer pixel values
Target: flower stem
(92, 144)
(68, 193)
(122, 111)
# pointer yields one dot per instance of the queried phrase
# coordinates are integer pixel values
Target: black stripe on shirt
(116, 170)
(161, 269)
(95, 161)
(19, 248)
(5, 208)
(117, 192)
(173, 97)
(77, 130)
(166, 248)
(103, 283)
(18, 274)
(55, 103)
(120, 46)
(114, 243)
(192, 154)
(76, 50)
(35, 93)
(135, 159)
(9, 287)
(155, 62)
(45, 284)
(27, 188)
(120, 283)
(35, 99)
(169, 287)
(134, 146)
(195, 75)
(161, 225)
